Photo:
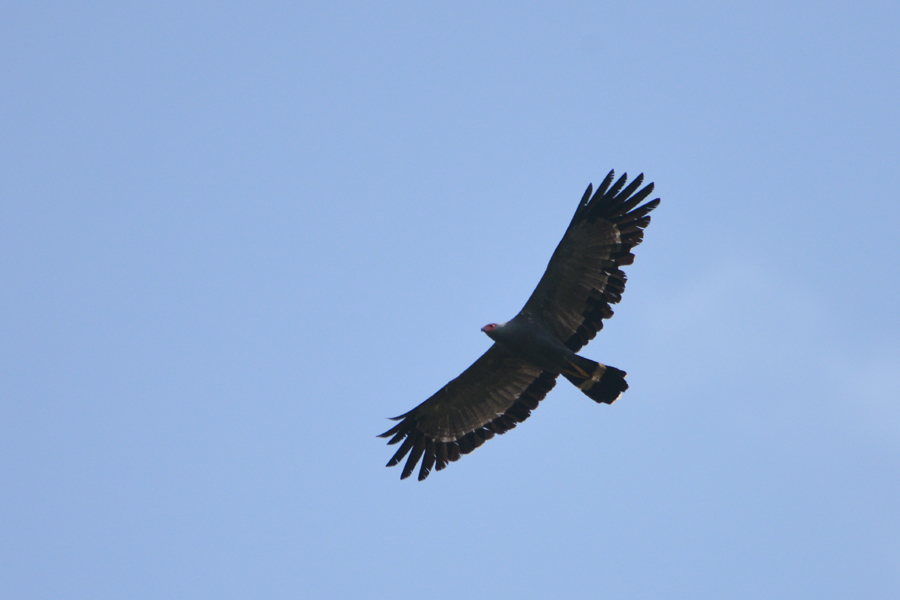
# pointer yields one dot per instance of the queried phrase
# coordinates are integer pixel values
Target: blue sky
(234, 238)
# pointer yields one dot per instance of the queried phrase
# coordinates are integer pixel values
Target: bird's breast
(534, 343)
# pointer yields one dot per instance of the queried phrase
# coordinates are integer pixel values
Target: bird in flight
(565, 312)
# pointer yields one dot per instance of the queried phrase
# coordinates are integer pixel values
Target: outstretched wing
(496, 392)
(583, 277)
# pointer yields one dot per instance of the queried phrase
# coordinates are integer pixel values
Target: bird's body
(531, 350)
(527, 338)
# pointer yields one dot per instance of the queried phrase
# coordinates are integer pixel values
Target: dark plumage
(565, 312)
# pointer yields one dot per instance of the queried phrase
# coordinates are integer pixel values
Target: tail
(600, 383)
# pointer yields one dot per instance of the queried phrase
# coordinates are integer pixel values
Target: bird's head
(491, 328)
